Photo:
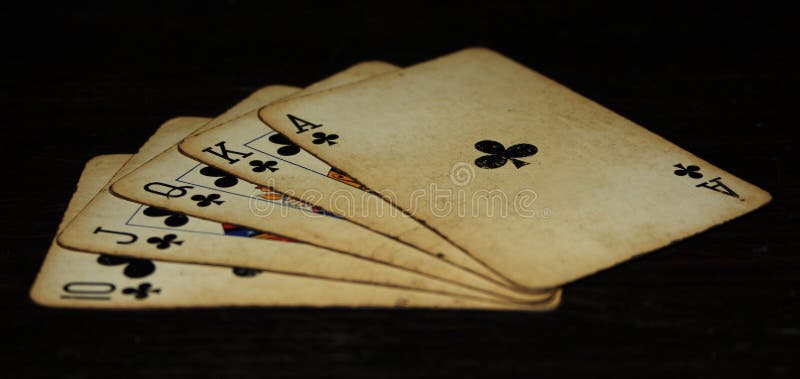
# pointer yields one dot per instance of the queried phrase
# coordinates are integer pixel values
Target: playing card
(240, 146)
(557, 186)
(76, 279)
(111, 225)
(175, 182)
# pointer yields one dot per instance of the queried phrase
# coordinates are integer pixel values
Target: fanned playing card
(175, 182)
(77, 279)
(114, 226)
(237, 147)
(555, 186)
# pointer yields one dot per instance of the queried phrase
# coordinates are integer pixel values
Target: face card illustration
(559, 187)
(114, 226)
(175, 182)
(71, 278)
(247, 148)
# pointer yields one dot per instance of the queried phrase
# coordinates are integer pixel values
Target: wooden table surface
(718, 80)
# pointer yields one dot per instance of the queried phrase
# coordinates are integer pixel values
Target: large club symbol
(224, 180)
(289, 147)
(499, 155)
(173, 219)
(134, 267)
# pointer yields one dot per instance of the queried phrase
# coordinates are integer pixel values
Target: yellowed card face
(233, 146)
(555, 187)
(114, 226)
(175, 182)
(83, 280)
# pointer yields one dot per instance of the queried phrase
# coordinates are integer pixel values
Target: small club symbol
(142, 291)
(499, 155)
(164, 242)
(204, 201)
(692, 171)
(289, 149)
(320, 138)
(261, 166)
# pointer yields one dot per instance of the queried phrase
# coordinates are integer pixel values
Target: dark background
(720, 80)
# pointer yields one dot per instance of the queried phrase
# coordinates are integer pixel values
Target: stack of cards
(468, 181)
